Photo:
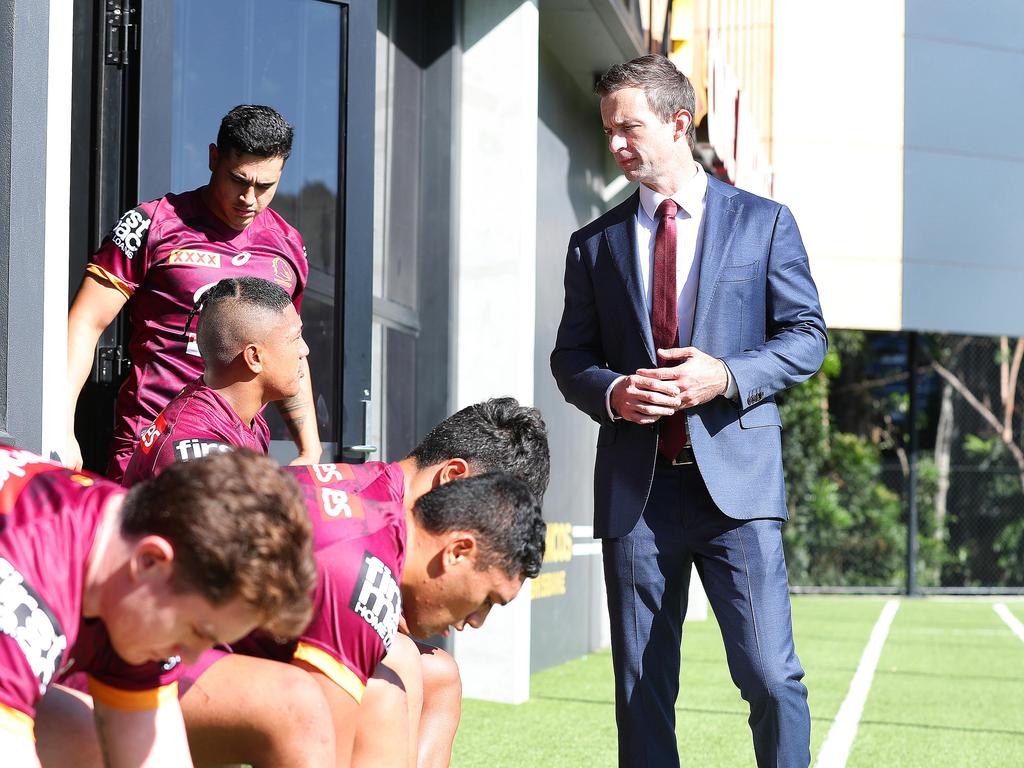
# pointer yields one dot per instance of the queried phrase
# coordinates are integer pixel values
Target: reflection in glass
(286, 54)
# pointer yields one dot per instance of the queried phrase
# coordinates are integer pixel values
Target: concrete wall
(27, 334)
(962, 269)
(568, 598)
(837, 150)
(493, 344)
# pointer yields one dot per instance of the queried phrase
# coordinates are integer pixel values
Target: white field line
(836, 749)
(1011, 621)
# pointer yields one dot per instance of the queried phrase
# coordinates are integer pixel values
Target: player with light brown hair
(122, 586)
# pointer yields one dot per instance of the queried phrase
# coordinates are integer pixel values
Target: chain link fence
(849, 458)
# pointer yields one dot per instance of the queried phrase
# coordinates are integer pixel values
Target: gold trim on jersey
(15, 721)
(97, 271)
(132, 701)
(337, 672)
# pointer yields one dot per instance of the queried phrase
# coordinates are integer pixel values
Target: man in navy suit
(687, 308)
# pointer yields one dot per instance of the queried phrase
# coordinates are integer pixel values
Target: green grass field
(948, 691)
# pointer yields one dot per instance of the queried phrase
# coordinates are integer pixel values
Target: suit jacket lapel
(621, 238)
(719, 228)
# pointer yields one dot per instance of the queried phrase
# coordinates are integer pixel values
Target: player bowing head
(471, 544)
(252, 146)
(116, 585)
(250, 338)
(491, 436)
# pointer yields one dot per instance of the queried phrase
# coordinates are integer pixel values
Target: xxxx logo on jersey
(194, 258)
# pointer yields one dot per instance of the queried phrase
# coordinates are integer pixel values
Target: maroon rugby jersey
(197, 422)
(359, 545)
(372, 480)
(49, 516)
(162, 255)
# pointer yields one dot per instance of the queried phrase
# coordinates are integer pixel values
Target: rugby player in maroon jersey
(495, 435)
(250, 339)
(464, 547)
(161, 256)
(115, 584)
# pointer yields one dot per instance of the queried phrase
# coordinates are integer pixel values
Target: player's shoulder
(275, 224)
(196, 405)
(20, 468)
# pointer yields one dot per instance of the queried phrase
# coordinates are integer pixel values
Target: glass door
(196, 59)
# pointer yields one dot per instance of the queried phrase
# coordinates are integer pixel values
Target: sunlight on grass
(947, 693)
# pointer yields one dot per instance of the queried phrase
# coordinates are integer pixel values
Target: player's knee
(299, 705)
(403, 659)
(441, 678)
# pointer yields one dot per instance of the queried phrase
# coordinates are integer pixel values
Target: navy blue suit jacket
(757, 310)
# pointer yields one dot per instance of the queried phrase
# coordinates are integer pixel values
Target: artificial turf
(948, 691)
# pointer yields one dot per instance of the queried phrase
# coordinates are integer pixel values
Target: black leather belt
(685, 457)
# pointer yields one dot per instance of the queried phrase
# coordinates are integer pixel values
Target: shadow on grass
(955, 728)
(692, 710)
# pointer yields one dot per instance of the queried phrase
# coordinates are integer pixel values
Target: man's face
(241, 186)
(149, 621)
(283, 350)
(459, 596)
(644, 146)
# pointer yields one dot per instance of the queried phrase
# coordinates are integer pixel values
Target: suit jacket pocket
(764, 414)
(739, 273)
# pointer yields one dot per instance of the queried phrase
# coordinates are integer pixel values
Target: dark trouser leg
(742, 567)
(647, 574)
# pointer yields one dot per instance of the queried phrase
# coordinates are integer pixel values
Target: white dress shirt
(689, 233)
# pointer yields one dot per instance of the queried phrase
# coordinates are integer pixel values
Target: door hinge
(121, 32)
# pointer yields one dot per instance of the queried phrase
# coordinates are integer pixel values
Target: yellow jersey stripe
(337, 672)
(132, 701)
(15, 721)
(97, 271)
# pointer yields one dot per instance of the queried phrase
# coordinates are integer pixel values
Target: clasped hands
(651, 393)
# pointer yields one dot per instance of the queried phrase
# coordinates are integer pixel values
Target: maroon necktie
(664, 320)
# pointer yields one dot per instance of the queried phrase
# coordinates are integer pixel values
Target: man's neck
(417, 482)
(677, 178)
(246, 398)
(106, 555)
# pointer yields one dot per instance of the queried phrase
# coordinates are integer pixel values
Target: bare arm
(149, 738)
(299, 414)
(94, 308)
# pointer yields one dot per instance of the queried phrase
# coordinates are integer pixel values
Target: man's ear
(460, 549)
(213, 157)
(682, 120)
(152, 560)
(252, 354)
(452, 469)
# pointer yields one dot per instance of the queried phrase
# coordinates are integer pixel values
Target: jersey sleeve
(357, 615)
(122, 259)
(19, 686)
(135, 688)
(302, 269)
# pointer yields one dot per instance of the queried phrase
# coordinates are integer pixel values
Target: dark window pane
(283, 53)
(400, 394)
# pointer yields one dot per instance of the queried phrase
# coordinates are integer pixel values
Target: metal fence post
(912, 407)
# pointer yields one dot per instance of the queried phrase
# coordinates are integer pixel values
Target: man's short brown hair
(239, 528)
(667, 89)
